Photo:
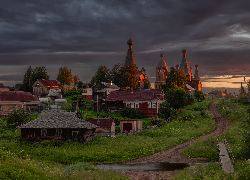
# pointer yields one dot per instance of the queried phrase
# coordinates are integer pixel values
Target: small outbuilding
(131, 125)
(59, 125)
(106, 125)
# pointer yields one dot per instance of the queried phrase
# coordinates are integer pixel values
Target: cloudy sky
(82, 35)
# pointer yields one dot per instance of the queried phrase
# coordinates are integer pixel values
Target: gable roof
(103, 122)
(48, 83)
(2, 86)
(17, 96)
(58, 119)
(131, 95)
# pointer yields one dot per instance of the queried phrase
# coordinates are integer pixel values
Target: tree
(40, 72)
(176, 77)
(177, 97)
(147, 84)
(199, 96)
(80, 85)
(31, 76)
(76, 80)
(101, 75)
(26, 86)
(18, 117)
(166, 110)
(129, 76)
(64, 76)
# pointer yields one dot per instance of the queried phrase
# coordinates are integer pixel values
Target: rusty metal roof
(58, 119)
(17, 96)
(131, 95)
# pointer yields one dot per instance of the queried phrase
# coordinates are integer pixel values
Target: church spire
(196, 75)
(130, 56)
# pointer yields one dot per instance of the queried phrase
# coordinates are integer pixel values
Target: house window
(43, 132)
(154, 104)
(58, 132)
(132, 105)
(75, 133)
(128, 105)
(14, 107)
(149, 104)
(155, 86)
(136, 105)
(1, 107)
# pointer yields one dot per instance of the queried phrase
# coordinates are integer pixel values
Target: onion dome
(130, 42)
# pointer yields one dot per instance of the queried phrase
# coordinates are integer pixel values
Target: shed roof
(17, 96)
(131, 95)
(103, 122)
(58, 119)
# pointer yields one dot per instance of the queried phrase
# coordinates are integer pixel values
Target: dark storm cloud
(86, 34)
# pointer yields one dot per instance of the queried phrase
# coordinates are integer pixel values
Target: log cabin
(58, 125)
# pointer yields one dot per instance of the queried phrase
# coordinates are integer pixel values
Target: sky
(83, 35)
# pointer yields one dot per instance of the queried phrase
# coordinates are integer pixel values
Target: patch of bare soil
(174, 154)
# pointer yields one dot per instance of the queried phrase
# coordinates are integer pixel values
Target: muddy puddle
(159, 166)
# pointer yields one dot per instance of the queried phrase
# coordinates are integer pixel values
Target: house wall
(7, 107)
(149, 108)
(34, 134)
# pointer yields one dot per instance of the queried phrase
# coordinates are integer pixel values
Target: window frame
(43, 132)
(75, 132)
(58, 132)
(149, 105)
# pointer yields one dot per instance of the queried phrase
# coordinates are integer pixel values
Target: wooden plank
(225, 161)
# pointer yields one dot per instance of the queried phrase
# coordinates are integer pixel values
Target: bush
(132, 113)
(199, 95)
(177, 97)
(18, 117)
(166, 110)
(155, 120)
(71, 92)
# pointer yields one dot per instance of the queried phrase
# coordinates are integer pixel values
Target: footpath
(174, 154)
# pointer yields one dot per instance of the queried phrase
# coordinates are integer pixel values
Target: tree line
(64, 77)
(123, 76)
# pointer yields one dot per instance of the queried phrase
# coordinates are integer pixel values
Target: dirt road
(174, 154)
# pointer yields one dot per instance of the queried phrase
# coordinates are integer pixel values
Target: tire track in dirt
(174, 154)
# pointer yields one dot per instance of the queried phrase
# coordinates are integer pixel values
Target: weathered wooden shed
(59, 125)
(131, 125)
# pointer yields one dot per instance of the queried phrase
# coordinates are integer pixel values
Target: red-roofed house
(147, 100)
(41, 87)
(13, 100)
(2, 87)
(106, 125)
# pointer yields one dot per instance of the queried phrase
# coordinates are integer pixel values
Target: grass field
(236, 112)
(78, 159)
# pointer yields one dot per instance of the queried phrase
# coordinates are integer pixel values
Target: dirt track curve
(174, 154)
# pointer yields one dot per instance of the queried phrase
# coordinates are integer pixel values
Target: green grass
(237, 115)
(187, 125)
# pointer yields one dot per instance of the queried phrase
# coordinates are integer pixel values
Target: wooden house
(41, 87)
(87, 93)
(2, 87)
(131, 125)
(106, 125)
(147, 100)
(103, 89)
(13, 100)
(58, 125)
